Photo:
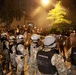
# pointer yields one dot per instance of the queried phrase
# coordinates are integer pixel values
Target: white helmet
(3, 34)
(50, 41)
(11, 38)
(35, 37)
(20, 38)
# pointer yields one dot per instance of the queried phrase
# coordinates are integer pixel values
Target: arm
(69, 52)
(58, 62)
(22, 49)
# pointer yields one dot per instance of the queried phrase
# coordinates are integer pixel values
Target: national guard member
(48, 59)
(20, 53)
(5, 44)
(12, 50)
(32, 51)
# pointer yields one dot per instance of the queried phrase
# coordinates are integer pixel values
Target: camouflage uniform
(58, 62)
(20, 59)
(1, 63)
(6, 55)
(12, 59)
(32, 64)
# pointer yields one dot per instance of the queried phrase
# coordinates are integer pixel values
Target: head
(20, 38)
(4, 36)
(12, 39)
(49, 41)
(35, 38)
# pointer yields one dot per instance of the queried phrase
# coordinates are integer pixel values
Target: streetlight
(45, 2)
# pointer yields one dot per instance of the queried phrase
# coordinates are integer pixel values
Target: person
(1, 63)
(72, 56)
(20, 54)
(12, 51)
(61, 42)
(48, 59)
(32, 50)
(5, 50)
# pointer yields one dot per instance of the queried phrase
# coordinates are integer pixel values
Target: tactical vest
(17, 51)
(44, 62)
(29, 48)
(10, 48)
(2, 39)
(4, 46)
(73, 56)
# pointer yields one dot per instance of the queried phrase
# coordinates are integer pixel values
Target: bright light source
(45, 2)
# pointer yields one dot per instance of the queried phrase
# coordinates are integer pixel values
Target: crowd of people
(44, 56)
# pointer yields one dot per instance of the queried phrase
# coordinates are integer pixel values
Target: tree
(9, 10)
(57, 16)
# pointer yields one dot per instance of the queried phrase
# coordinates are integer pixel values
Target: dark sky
(70, 4)
(1, 2)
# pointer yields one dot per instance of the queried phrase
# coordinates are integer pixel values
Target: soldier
(48, 59)
(5, 44)
(12, 54)
(20, 53)
(1, 63)
(32, 51)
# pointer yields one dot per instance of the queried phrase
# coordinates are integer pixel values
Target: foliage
(57, 16)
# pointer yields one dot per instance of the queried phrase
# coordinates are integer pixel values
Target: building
(27, 7)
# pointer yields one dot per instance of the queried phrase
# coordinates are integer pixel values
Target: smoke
(40, 16)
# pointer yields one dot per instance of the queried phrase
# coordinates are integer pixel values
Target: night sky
(69, 4)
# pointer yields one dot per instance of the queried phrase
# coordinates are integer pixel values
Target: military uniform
(1, 63)
(58, 62)
(12, 58)
(6, 55)
(20, 54)
(32, 62)
(49, 61)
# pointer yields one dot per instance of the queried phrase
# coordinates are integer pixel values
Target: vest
(17, 51)
(73, 56)
(29, 48)
(44, 62)
(4, 46)
(10, 48)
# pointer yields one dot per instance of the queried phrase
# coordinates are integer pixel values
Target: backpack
(29, 52)
(44, 62)
(73, 56)
(29, 48)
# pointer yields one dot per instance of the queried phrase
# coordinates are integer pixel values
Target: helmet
(50, 41)
(11, 38)
(20, 38)
(3, 34)
(35, 37)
